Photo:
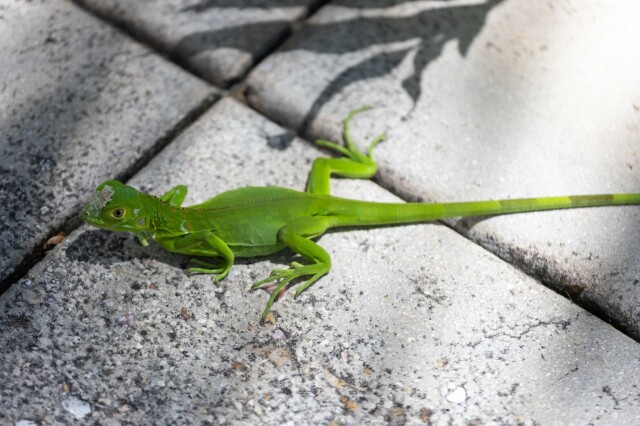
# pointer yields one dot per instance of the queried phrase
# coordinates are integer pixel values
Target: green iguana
(258, 221)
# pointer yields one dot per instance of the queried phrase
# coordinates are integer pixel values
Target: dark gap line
(173, 57)
(552, 282)
(74, 221)
(237, 86)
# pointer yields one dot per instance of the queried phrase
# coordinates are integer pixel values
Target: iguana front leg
(175, 196)
(212, 243)
(354, 164)
(296, 236)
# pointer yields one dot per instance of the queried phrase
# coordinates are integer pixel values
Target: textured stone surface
(80, 103)
(414, 324)
(497, 99)
(218, 40)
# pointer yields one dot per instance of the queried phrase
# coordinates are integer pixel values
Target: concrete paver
(414, 324)
(490, 99)
(218, 40)
(81, 102)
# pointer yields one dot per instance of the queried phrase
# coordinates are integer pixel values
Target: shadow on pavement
(432, 29)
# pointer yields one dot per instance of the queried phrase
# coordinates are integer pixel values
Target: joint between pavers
(536, 267)
(562, 283)
(174, 56)
(73, 221)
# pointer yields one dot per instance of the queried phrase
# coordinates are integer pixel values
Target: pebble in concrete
(495, 99)
(218, 40)
(414, 324)
(81, 103)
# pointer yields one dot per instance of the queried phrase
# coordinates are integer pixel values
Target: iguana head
(116, 207)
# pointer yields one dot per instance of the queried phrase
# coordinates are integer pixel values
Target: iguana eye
(118, 213)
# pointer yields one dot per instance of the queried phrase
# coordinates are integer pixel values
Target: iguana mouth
(92, 220)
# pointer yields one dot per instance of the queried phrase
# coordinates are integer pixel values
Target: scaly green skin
(253, 221)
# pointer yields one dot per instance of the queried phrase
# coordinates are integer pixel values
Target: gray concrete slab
(496, 99)
(218, 40)
(80, 102)
(414, 324)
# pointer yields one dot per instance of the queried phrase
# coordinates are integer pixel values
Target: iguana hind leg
(296, 236)
(354, 164)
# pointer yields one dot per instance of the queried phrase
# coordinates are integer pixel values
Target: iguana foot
(352, 164)
(283, 277)
(350, 150)
(219, 269)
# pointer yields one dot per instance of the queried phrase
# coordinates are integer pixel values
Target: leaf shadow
(427, 30)
(433, 29)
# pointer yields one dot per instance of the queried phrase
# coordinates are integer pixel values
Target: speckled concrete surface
(218, 40)
(414, 324)
(80, 102)
(495, 99)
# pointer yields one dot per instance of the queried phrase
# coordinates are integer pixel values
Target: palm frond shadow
(432, 29)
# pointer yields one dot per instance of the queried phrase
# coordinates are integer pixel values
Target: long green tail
(368, 213)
